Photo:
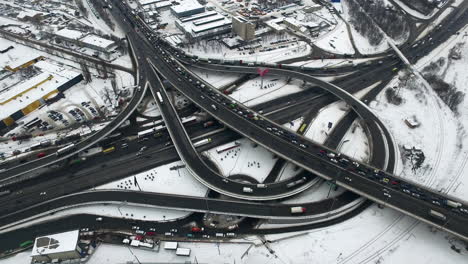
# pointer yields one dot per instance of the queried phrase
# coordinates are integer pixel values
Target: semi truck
(202, 142)
(297, 210)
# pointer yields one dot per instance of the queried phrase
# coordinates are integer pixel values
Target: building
(185, 8)
(22, 63)
(243, 28)
(30, 15)
(312, 8)
(98, 43)
(61, 246)
(85, 40)
(21, 99)
(203, 25)
(295, 25)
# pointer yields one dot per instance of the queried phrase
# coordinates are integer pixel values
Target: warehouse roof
(50, 244)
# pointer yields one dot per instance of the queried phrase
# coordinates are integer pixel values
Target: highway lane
(363, 185)
(317, 211)
(199, 168)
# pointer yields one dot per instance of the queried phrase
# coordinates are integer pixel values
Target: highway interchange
(151, 61)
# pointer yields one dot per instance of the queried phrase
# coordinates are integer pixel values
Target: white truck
(297, 210)
(202, 142)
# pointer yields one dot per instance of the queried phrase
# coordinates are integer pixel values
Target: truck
(22, 137)
(208, 123)
(302, 128)
(159, 97)
(247, 190)
(297, 210)
(437, 215)
(202, 142)
(227, 147)
(90, 152)
(453, 204)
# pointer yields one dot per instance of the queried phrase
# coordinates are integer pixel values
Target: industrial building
(85, 40)
(22, 64)
(204, 25)
(61, 246)
(21, 99)
(243, 28)
(185, 8)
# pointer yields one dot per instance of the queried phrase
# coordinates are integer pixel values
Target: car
(348, 179)
(322, 152)
(99, 219)
(303, 146)
(143, 148)
(152, 229)
(135, 227)
(173, 230)
(43, 193)
(334, 160)
(387, 194)
(85, 229)
(463, 210)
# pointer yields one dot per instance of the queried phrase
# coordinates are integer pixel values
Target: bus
(227, 147)
(65, 149)
(26, 244)
(302, 128)
(146, 132)
(109, 150)
(159, 97)
(188, 120)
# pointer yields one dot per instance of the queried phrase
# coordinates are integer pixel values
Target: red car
(196, 229)
(41, 154)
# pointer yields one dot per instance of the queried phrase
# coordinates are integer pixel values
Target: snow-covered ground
(247, 159)
(336, 41)
(381, 236)
(252, 92)
(442, 133)
(161, 179)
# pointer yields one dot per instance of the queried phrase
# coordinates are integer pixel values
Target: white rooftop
(170, 245)
(61, 242)
(69, 33)
(97, 41)
(148, 2)
(28, 13)
(9, 104)
(18, 61)
(186, 5)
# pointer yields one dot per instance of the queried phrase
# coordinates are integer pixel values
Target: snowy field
(246, 159)
(161, 179)
(442, 133)
(336, 41)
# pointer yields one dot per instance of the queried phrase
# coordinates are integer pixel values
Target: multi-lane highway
(377, 185)
(369, 181)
